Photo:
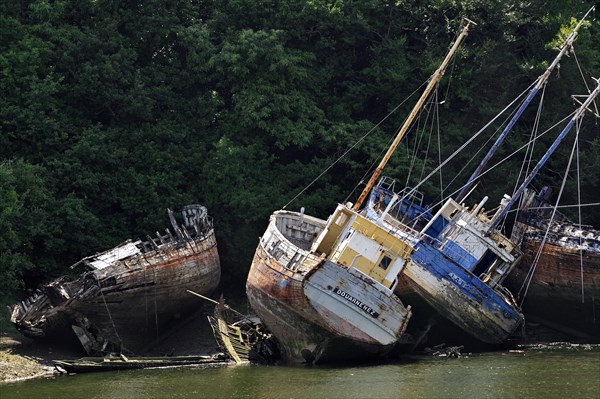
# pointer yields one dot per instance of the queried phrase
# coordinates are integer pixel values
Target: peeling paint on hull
(484, 315)
(128, 304)
(449, 247)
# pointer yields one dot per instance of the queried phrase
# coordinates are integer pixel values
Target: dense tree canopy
(112, 111)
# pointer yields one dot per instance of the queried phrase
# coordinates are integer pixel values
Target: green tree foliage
(113, 111)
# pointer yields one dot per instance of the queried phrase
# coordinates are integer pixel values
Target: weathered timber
(558, 282)
(111, 363)
(455, 271)
(131, 293)
(243, 338)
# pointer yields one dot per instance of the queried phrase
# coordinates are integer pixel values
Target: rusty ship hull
(132, 294)
(559, 285)
(318, 310)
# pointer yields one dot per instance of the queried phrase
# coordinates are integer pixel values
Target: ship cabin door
(484, 263)
(379, 269)
(329, 237)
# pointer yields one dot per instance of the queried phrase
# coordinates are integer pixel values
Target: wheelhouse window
(385, 262)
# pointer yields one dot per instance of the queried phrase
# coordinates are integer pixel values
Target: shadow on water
(567, 371)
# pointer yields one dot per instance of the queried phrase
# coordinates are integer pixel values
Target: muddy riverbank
(23, 358)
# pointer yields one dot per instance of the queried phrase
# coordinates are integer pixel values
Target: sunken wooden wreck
(114, 363)
(130, 294)
(558, 278)
(325, 288)
(243, 338)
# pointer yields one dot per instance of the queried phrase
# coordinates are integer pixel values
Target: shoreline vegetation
(239, 106)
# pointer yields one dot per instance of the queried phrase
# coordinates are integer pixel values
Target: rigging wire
(462, 147)
(439, 142)
(354, 145)
(508, 117)
(531, 272)
(410, 192)
(565, 206)
(108, 312)
(579, 220)
(434, 105)
(583, 78)
(528, 156)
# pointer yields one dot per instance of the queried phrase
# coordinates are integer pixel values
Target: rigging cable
(462, 147)
(354, 145)
(529, 276)
(410, 192)
(528, 156)
(109, 314)
(434, 105)
(583, 78)
(418, 140)
(579, 220)
(490, 138)
(439, 160)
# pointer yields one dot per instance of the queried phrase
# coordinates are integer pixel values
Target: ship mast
(433, 80)
(578, 114)
(540, 82)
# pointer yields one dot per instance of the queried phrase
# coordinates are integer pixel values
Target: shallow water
(560, 371)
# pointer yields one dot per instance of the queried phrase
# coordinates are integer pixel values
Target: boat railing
(401, 230)
(287, 253)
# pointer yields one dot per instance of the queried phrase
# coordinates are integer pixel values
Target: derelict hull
(317, 310)
(564, 292)
(462, 298)
(128, 305)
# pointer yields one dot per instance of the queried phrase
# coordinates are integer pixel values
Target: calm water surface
(566, 371)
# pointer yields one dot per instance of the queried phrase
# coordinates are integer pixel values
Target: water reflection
(532, 373)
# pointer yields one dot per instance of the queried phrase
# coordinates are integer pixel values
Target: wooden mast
(433, 80)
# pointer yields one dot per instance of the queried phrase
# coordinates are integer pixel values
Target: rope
(528, 156)
(471, 140)
(583, 77)
(491, 136)
(568, 206)
(485, 172)
(108, 311)
(426, 156)
(439, 141)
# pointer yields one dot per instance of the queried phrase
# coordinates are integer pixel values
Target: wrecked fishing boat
(325, 288)
(558, 278)
(130, 294)
(460, 256)
(456, 267)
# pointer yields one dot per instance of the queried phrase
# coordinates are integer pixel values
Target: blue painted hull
(461, 297)
(439, 274)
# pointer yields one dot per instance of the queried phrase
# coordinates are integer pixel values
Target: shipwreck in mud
(558, 279)
(131, 294)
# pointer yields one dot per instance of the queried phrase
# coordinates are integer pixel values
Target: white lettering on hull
(366, 308)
